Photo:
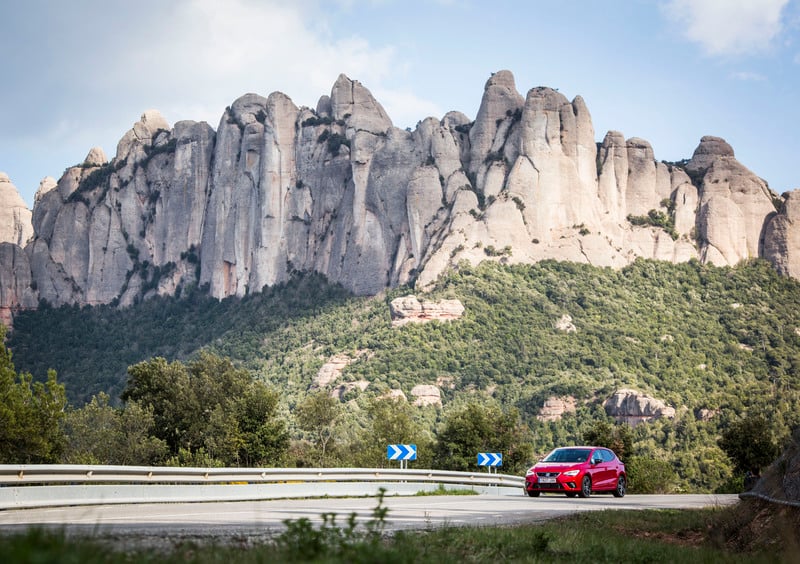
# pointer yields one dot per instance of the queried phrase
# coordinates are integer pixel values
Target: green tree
(618, 438)
(649, 476)
(30, 413)
(265, 438)
(478, 428)
(750, 444)
(209, 411)
(99, 433)
(165, 389)
(391, 421)
(317, 415)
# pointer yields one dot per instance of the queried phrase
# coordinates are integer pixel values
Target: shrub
(301, 541)
(649, 476)
(750, 444)
(317, 120)
(335, 142)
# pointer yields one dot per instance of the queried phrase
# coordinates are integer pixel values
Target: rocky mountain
(340, 191)
(16, 286)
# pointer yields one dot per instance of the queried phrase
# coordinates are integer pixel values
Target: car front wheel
(586, 487)
(533, 493)
(619, 491)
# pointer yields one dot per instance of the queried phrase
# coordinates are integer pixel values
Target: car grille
(538, 486)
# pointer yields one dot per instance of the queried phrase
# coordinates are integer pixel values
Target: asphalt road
(252, 521)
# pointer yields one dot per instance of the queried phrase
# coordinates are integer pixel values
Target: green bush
(649, 476)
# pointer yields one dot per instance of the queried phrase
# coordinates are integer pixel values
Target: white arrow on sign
(490, 459)
(401, 452)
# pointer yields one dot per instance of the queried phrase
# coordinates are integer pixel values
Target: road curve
(254, 520)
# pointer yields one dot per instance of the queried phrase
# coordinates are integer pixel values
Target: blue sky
(78, 74)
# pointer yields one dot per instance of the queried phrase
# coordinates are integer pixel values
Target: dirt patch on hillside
(758, 526)
(750, 527)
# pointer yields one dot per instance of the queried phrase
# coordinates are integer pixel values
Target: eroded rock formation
(409, 309)
(633, 407)
(426, 394)
(340, 191)
(15, 217)
(554, 408)
(332, 369)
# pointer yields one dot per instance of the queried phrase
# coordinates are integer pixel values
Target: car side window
(608, 456)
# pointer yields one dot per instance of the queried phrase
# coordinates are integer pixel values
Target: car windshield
(568, 455)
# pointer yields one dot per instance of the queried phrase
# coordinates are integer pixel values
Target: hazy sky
(78, 74)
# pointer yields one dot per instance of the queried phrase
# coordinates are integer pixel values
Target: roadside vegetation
(720, 345)
(747, 533)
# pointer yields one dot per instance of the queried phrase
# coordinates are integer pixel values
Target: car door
(596, 469)
(609, 470)
(601, 471)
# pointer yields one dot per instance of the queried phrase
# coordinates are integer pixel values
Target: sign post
(403, 453)
(491, 460)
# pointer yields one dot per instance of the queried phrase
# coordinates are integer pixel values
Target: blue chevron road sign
(401, 452)
(490, 459)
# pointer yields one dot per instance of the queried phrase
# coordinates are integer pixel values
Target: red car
(578, 470)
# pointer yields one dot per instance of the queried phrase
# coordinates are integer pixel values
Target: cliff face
(16, 290)
(15, 217)
(338, 190)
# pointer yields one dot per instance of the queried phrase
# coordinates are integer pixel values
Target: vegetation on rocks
(717, 344)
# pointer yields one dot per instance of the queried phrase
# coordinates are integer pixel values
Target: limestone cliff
(16, 286)
(339, 190)
(15, 217)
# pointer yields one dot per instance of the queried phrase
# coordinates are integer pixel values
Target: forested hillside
(717, 344)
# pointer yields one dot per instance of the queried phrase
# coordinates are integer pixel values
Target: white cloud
(187, 58)
(728, 27)
(203, 54)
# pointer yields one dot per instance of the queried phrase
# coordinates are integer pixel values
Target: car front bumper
(564, 484)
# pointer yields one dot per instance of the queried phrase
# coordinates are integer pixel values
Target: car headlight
(571, 473)
(529, 472)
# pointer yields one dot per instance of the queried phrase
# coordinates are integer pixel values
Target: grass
(441, 490)
(749, 532)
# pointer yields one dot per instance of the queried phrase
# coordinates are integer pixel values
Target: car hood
(556, 466)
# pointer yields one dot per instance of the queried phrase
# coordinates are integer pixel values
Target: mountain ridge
(338, 190)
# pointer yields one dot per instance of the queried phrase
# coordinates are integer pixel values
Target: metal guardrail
(38, 474)
(24, 486)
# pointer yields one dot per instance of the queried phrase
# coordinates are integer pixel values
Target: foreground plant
(302, 541)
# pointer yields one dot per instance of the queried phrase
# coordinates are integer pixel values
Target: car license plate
(547, 480)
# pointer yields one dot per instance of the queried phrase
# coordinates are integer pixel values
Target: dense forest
(721, 342)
